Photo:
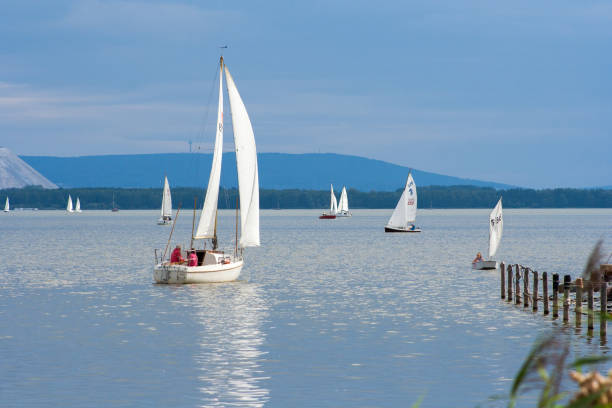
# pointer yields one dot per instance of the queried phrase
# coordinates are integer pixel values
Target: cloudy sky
(516, 92)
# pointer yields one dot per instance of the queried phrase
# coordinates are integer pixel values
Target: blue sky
(514, 92)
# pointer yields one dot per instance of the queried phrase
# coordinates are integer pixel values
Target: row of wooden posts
(512, 274)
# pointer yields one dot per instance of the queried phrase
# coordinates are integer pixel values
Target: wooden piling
(590, 305)
(555, 295)
(534, 295)
(509, 283)
(578, 307)
(525, 287)
(502, 270)
(545, 292)
(517, 285)
(566, 301)
(603, 319)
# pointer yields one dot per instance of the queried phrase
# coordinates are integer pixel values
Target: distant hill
(16, 173)
(313, 171)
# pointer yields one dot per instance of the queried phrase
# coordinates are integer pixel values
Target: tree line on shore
(429, 197)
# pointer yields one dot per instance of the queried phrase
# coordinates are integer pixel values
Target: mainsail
(6, 205)
(246, 162)
(343, 204)
(166, 208)
(77, 208)
(206, 226)
(333, 204)
(69, 205)
(496, 227)
(405, 210)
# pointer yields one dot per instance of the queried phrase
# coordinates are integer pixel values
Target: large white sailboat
(7, 206)
(213, 265)
(69, 205)
(77, 207)
(496, 227)
(404, 215)
(166, 206)
(333, 207)
(343, 207)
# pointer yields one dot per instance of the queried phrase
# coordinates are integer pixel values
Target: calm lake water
(326, 314)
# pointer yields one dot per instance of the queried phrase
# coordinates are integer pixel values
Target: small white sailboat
(343, 208)
(77, 207)
(69, 205)
(496, 228)
(7, 206)
(212, 265)
(114, 207)
(404, 215)
(166, 207)
(333, 207)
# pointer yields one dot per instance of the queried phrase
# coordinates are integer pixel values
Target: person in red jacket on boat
(192, 259)
(176, 256)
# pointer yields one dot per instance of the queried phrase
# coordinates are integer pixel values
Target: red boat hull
(327, 217)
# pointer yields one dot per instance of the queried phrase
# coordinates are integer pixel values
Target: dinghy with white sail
(343, 208)
(77, 207)
(69, 205)
(166, 207)
(496, 228)
(404, 215)
(7, 206)
(213, 265)
(333, 207)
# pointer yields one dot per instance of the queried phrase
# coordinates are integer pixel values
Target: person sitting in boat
(412, 227)
(192, 259)
(478, 258)
(176, 256)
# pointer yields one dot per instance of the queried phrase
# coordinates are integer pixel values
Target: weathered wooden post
(525, 287)
(535, 292)
(555, 295)
(509, 283)
(502, 270)
(545, 292)
(517, 285)
(579, 302)
(566, 301)
(590, 306)
(603, 319)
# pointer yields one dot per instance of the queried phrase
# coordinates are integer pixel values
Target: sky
(514, 92)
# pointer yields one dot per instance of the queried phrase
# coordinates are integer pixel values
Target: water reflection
(231, 317)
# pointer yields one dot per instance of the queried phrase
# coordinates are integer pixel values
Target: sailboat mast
(195, 202)
(236, 244)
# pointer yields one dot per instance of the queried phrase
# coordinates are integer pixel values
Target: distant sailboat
(77, 207)
(7, 207)
(166, 207)
(333, 208)
(114, 208)
(343, 208)
(69, 205)
(404, 215)
(496, 228)
(213, 265)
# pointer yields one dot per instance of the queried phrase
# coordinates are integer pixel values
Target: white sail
(77, 207)
(166, 207)
(206, 225)
(405, 210)
(246, 162)
(333, 204)
(496, 227)
(7, 207)
(343, 204)
(69, 205)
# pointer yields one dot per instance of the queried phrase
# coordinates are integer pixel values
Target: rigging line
(195, 162)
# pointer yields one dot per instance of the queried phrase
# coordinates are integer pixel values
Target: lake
(327, 313)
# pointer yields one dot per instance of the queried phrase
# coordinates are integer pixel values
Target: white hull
(161, 221)
(400, 229)
(176, 274)
(344, 214)
(484, 265)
